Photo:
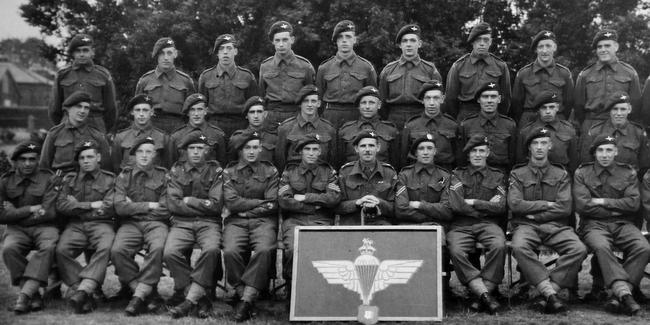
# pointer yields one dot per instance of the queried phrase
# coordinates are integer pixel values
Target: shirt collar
(474, 57)
(303, 168)
(484, 119)
(473, 170)
(612, 64)
(542, 168)
(429, 168)
(302, 121)
(277, 59)
(349, 61)
(187, 166)
(372, 121)
(600, 169)
(229, 70)
(69, 125)
(415, 60)
(357, 169)
(139, 130)
(94, 174)
(88, 66)
(623, 130)
(170, 74)
(147, 170)
(241, 164)
(537, 66)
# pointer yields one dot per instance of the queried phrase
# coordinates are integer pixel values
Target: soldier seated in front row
(85, 200)
(27, 198)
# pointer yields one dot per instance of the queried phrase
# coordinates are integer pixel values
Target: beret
(77, 97)
(161, 44)
(253, 101)
(478, 30)
(138, 99)
(140, 142)
(222, 39)
(84, 145)
(191, 100)
(539, 132)
(604, 34)
(545, 97)
(364, 135)
(79, 40)
(542, 35)
(366, 91)
(306, 91)
(486, 87)
(425, 138)
(243, 138)
(474, 141)
(280, 27)
(600, 140)
(305, 140)
(430, 85)
(193, 138)
(616, 98)
(342, 26)
(407, 29)
(26, 147)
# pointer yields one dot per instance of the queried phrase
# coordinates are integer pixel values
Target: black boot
(243, 311)
(183, 309)
(135, 307)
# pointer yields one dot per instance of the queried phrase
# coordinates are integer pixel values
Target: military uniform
(216, 141)
(354, 184)
(293, 129)
(428, 184)
(645, 103)
(501, 133)
(632, 143)
(124, 140)
(61, 141)
(269, 139)
(445, 135)
(565, 150)
(387, 134)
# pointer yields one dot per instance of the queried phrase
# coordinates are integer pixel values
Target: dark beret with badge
(539, 132)
(488, 86)
(192, 100)
(474, 141)
(616, 98)
(140, 142)
(78, 41)
(223, 39)
(306, 91)
(425, 138)
(162, 44)
(545, 97)
(243, 138)
(280, 27)
(408, 29)
(364, 135)
(542, 35)
(481, 28)
(366, 91)
(137, 100)
(305, 140)
(341, 27)
(26, 147)
(253, 101)
(194, 137)
(600, 140)
(77, 97)
(85, 145)
(603, 35)
(430, 85)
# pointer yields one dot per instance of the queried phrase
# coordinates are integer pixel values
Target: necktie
(309, 177)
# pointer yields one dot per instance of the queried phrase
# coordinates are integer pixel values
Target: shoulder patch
(389, 123)
(519, 165)
(586, 164)
(469, 117)
(347, 165)
(64, 70)
(387, 165)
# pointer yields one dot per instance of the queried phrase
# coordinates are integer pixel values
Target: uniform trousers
(19, 241)
(131, 238)
(461, 241)
(278, 112)
(399, 114)
(338, 114)
(288, 234)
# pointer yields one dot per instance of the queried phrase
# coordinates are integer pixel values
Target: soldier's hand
(8, 205)
(35, 208)
(372, 199)
(71, 199)
(470, 201)
(186, 200)
(242, 214)
(530, 217)
(57, 179)
(97, 204)
(154, 205)
(598, 201)
(551, 205)
(496, 199)
(225, 212)
(128, 199)
(299, 197)
(414, 204)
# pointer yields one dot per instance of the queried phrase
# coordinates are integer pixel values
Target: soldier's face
(197, 113)
(478, 156)
(605, 154)
(309, 105)
(283, 42)
(251, 150)
(619, 113)
(145, 154)
(425, 152)
(89, 160)
(142, 114)
(227, 53)
(83, 54)
(196, 153)
(432, 100)
(310, 153)
(482, 44)
(256, 115)
(345, 42)
(547, 112)
(27, 163)
(489, 101)
(606, 50)
(78, 113)
(410, 44)
(539, 147)
(367, 149)
(166, 57)
(369, 106)
(545, 50)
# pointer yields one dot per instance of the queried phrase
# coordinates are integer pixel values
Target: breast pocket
(154, 90)
(434, 190)
(395, 82)
(215, 90)
(382, 188)
(593, 86)
(621, 83)
(560, 151)
(492, 76)
(69, 85)
(357, 80)
(416, 82)
(467, 80)
(550, 188)
(557, 85)
(295, 80)
(500, 147)
(239, 92)
(64, 150)
(94, 88)
(487, 190)
(628, 151)
(153, 188)
(177, 93)
(333, 83)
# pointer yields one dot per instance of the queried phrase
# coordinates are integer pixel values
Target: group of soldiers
(466, 164)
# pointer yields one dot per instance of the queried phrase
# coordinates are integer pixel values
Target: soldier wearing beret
(283, 75)
(250, 190)
(340, 77)
(369, 104)
(167, 86)
(61, 141)
(309, 192)
(540, 199)
(477, 196)
(84, 75)
(28, 198)
(565, 150)
(85, 200)
(400, 80)
(432, 120)
(367, 185)
(307, 121)
(472, 71)
(255, 112)
(195, 200)
(607, 198)
(645, 103)
(500, 129)
(544, 74)
(141, 208)
(141, 108)
(227, 86)
(597, 82)
(196, 110)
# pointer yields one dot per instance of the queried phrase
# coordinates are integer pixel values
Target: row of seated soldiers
(234, 211)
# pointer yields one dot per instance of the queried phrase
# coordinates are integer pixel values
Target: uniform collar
(357, 169)
(94, 174)
(474, 57)
(169, 74)
(612, 64)
(372, 121)
(555, 124)
(241, 164)
(623, 130)
(415, 60)
(287, 59)
(69, 125)
(147, 170)
(140, 130)
(303, 168)
(187, 166)
(22, 178)
(537, 66)
(481, 170)
(229, 70)
(302, 121)
(88, 66)
(349, 61)
(598, 169)
(484, 119)
(428, 168)
(542, 168)
(200, 127)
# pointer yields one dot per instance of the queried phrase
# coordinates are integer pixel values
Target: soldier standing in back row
(227, 86)
(84, 75)
(283, 75)
(167, 86)
(400, 80)
(472, 71)
(340, 77)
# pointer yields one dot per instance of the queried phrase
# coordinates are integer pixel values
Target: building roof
(22, 75)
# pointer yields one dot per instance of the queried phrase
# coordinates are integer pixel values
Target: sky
(12, 25)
